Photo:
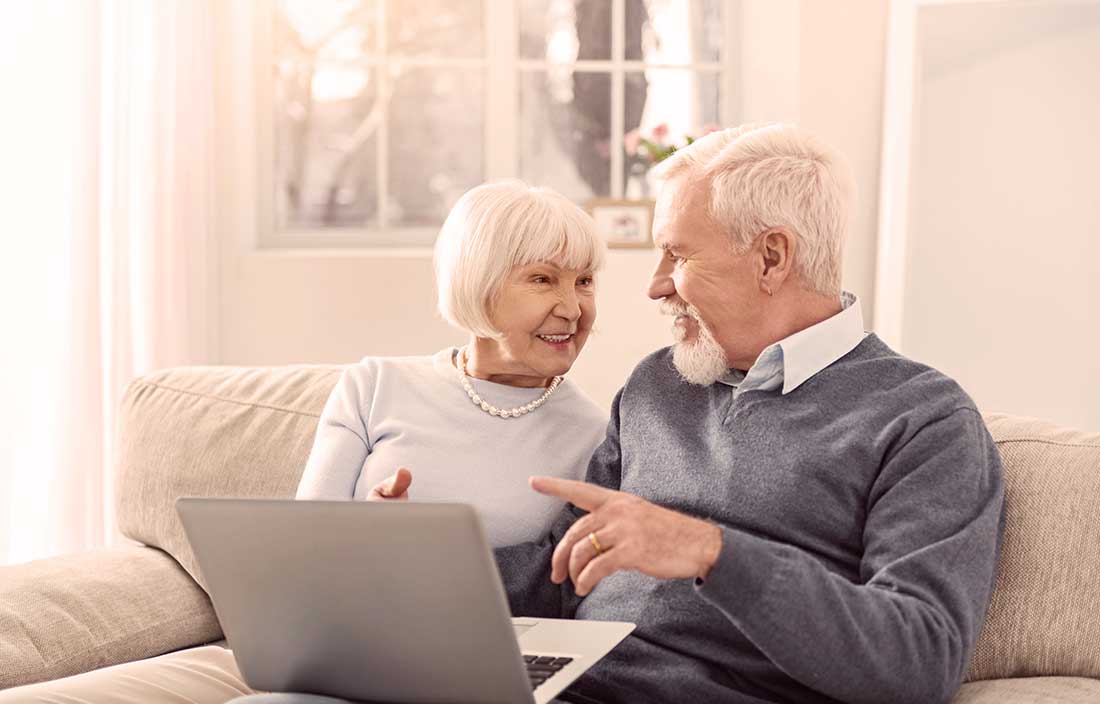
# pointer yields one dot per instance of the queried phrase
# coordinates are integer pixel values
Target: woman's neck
(484, 361)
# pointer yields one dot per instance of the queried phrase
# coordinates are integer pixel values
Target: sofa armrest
(66, 615)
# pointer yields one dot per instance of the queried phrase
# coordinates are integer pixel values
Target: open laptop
(381, 602)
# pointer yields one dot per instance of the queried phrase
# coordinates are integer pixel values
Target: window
(385, 111)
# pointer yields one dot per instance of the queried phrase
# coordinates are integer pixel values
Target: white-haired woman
(515, 268)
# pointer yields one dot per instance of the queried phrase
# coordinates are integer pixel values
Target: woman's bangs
(569, 243)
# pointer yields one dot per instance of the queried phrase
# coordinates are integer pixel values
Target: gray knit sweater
(861, 518)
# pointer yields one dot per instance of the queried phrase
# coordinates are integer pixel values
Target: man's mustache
(668, 307)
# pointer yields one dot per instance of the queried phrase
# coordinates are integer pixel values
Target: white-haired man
(789, 510)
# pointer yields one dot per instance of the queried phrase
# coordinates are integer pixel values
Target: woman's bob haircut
(493, 229)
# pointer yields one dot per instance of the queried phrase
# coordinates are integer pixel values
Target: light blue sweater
(390, 412)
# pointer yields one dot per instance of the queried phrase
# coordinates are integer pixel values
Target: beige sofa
(246, 432)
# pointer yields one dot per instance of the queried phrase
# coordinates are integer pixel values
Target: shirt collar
(794, 359)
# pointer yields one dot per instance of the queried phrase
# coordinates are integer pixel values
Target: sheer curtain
(107, 267)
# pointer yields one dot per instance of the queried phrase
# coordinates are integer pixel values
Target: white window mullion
(501, 90)
(382, 165)
(618, 99)
(597, 65)
(260, 181)
(729, 83)
(403, 62)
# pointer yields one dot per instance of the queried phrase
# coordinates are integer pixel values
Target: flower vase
(640, 184)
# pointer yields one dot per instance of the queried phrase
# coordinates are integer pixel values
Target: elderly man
(788, 509)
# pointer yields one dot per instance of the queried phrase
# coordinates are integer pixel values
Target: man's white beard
(701, 361)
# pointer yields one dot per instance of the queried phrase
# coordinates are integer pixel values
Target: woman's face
(545, 313)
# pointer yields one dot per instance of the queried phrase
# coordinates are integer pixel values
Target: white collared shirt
(794, 359)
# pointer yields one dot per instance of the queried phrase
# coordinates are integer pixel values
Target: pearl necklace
(490, 408)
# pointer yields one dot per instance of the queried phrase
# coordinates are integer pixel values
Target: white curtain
(106, 173)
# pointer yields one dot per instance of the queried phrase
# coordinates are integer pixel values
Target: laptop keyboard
(542, 667)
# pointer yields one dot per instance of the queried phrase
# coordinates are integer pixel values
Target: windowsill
(381, 252)
(422, 252)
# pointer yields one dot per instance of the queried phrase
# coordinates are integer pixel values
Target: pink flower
(660, 132)
(631, 140)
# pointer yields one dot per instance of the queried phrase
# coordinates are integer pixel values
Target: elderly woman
(515, 268)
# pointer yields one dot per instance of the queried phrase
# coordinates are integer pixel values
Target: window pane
(563, 31)
(565, 129)
(677, 103)
(674, 31)
(311, 25)
(437, 142)
(453, 28)
(326, 114)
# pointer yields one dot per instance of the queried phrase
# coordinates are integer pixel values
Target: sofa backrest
(1044, 617)
(246, 432)
(212, 431)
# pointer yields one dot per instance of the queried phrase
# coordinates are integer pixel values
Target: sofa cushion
(1044, 617)
(69, 614)
(204, 675)
(1030, 690)
(212, 431)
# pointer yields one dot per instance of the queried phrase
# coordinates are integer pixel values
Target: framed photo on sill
(623, 223)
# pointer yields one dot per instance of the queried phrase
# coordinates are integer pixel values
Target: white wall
(816, 63)
(1003, 269)
(841, 70)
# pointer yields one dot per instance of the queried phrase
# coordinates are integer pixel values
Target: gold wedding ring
(595, 543)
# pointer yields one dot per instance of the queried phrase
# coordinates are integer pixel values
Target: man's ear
(776, 250)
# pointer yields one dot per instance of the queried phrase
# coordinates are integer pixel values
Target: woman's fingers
(395, 486)
(399, 484)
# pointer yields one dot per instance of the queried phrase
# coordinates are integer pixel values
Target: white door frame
(902, 95)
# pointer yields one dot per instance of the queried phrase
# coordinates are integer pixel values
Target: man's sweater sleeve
(525, 568)
(905, 633)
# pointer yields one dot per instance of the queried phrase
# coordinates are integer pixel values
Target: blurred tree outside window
(380, 106)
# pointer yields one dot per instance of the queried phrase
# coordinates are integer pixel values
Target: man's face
(713, 292)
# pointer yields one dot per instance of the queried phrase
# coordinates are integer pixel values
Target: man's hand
(395, 487)
(632, 534)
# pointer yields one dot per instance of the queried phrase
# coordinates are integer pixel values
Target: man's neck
(792, 313)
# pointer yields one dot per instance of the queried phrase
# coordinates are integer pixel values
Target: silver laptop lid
(396, 601)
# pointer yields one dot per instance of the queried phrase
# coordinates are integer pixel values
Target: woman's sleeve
(341, 444)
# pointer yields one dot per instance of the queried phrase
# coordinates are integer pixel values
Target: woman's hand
(396, 487)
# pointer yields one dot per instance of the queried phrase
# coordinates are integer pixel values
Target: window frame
(503, 69)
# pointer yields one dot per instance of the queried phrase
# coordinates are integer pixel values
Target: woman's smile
(561, 342)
